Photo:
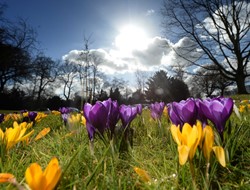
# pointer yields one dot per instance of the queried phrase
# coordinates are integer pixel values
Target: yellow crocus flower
(187, 140)
(76, 119)
(143, 174)
(43, 180)
(83, 121)
(14, 135)
(208, 146)
(1, 134)
(26, 114)
(40, 116)
(6, 177)
(165, 111)
(242, 108)
(13, 116)
(42, 133)
(55, 112)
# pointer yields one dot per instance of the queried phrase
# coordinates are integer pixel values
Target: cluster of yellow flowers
(36, 178)
(193, 136)
(76, 119)
(14, 135)
(244, 106)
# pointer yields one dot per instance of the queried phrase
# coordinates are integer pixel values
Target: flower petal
(6, 177)
(42, 133)
(176, 134)
(52, 173)
(183, 154)
(220, 155)
(143, 174)
(208, 142)
(34, 177)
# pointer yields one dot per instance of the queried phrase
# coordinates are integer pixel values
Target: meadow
(151, 161)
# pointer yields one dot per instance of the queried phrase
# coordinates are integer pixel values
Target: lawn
(150, 162)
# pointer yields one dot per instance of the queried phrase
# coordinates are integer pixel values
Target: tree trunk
(240, 82)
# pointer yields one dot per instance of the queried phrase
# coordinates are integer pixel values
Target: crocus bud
(156, 110)
(217, 110)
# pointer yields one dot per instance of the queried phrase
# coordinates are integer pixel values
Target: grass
(153, 150)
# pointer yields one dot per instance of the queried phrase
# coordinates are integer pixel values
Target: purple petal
(98, 116)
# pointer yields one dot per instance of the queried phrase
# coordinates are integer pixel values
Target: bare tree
(219, 31)
(44, 74)
(207, 82)
(67, 75)
(95, 61)
(17, 41)
(84, 67)
(141, 79)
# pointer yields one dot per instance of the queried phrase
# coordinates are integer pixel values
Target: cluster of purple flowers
(104, 116)
(217, 110)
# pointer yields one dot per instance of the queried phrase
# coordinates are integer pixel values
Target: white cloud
(114, 61)
(158, 54)
(152, 55)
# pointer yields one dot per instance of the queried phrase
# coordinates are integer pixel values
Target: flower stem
(207, 173)
(192, 174)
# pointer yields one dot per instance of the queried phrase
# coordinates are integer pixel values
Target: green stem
(207, 173)
(192, 170)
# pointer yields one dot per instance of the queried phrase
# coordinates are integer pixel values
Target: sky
(62, 24)
(126, 34)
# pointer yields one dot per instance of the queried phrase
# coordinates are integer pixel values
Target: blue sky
(126, 34)
(62, 24)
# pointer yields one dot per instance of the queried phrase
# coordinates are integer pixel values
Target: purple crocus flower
(127, 114)
(90, 128)
(182, 112)
(97, 116)
(200, 115)
(64, 110)
(175, 119)
(32, 115)
(113, 114)
(1, 117)
(139, 109)
(217, 110)
(156, 110)
(65, 113)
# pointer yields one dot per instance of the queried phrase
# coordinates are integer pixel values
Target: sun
(131, 38)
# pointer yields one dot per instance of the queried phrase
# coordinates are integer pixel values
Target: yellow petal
(176, 134)
(208, 142)
(83, 121)
(34, 177)
(1, 134)
(186, 131)
(200, 132)
(42, 133)
(142, 173)
(52, 173)
(220, 155)
(23, 125)
(183, 154)
(15, 124)
(6, 177)
(24, 138)
(11, 136)
(192, 141)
